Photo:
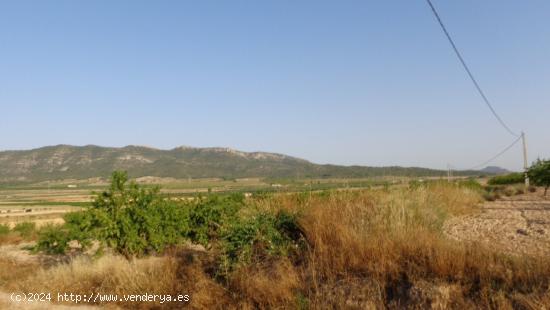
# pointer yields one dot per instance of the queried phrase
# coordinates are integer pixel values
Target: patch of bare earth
(515, 225)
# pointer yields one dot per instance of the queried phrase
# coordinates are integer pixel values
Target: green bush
(135, 221)
(539, 173)
(206, 216)
(263, 235)
(131, 219)
(25, 229)
(4, 229)
(511, 178)
(52, 239)
(471, 184)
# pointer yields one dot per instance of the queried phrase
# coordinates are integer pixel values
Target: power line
(497, 155)
(468, 71)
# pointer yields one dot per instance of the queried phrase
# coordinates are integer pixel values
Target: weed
(206, 216)
(52, 239)
(4, 229)
(261, 236)
(509, 192)
(26, 229)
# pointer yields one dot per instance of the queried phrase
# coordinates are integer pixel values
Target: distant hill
(81, 162)
(494, 170)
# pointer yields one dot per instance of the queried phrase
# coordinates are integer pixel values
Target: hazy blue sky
(344, 82)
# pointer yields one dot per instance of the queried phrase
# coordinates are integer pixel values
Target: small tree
(127, 217)
(539, 173)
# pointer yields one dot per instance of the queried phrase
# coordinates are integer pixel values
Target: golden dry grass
(385, 249)
(113, 274)
(12, 271)
(10, 238)
(266, 285)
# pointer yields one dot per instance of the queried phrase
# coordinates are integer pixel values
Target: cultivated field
(516, 225)
(47, 202)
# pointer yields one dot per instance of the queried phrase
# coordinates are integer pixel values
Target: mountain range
(81, 162)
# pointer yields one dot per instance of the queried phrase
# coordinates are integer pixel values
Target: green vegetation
(494, 192)
(472, 184)
(4, 229)
(130, 219)
(136, 221)
(264, 235)
(25, 229)
(53, 239)
(539, 174)
(21, 231)
(206, 216)
(511, 178)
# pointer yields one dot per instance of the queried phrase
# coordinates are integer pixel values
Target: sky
(344, 82)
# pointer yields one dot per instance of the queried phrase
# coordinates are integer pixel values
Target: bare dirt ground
(515, 225)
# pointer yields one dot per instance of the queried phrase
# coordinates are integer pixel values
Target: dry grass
(10, 238)
(385, 249)
(266, 285)
(395, 240)
(112, 274)
(12, 271)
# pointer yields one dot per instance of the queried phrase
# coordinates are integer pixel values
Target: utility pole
(525, 167)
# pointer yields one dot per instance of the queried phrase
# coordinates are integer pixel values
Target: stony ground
(516, 225)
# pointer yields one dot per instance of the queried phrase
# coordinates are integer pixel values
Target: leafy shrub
(4, 229)
(135, 220)
(539, 173)
(25, 229)
(52, 239)
(532, 189)
(81, 225)
(207, 215)
(131, 219)
(471, 184)
(263, 235)
(511, 178)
